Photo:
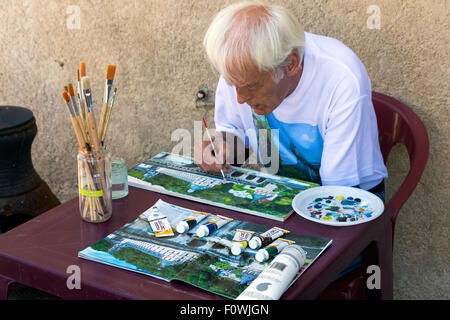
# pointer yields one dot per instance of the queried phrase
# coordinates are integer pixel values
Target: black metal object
(23, 194)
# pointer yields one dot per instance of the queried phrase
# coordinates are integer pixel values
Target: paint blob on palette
(340, 209)
(340, 206)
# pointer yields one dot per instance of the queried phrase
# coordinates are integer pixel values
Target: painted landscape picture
(202, 262)
(242, 190)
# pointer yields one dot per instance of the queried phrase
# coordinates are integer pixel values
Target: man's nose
(242, 95)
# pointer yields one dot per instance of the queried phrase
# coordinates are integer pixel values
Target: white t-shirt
(327, 126)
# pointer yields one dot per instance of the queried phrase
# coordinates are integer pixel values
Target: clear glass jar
(94, 186)
(119, 173)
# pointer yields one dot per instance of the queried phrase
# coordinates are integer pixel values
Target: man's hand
(205, 158)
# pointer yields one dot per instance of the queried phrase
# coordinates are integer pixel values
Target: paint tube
(159, 223)
(240, 241)
(274, 280)
(212, 225)
(190, 221)
(263, 239)
(272, 249)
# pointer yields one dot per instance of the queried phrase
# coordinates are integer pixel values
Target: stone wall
(157, 47)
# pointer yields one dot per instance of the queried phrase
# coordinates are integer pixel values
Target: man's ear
(294, 65)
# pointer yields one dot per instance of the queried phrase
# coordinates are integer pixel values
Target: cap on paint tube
(237, 248)
(182, 227)
(255, 243)
(202, 231)
(262, 255)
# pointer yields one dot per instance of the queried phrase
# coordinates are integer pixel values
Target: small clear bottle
(119, 173)
(94, 186)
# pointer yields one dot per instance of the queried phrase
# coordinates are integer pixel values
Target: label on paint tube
(240, 241)
(272, 249)
(159, 223)
(266, 237)
(212, 225)
(189, 222)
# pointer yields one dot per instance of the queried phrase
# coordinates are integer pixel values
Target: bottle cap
(182, 227)
(262, 255)
(237, 248)
(296, 252)
(202, 231)
(255, 243)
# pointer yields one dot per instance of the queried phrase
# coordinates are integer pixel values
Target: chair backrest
(397, 123)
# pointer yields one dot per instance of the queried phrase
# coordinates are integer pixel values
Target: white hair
(253, 34)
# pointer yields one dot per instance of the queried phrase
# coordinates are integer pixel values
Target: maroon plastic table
(39, 252)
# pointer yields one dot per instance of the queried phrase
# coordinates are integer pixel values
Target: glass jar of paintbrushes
(94, 185)
(94, 162)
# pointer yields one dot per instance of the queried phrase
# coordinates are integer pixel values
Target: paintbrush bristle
(72, 93)
(78, 74)
(65, 96)
(82, 69)
(86, 83)
(110, 71)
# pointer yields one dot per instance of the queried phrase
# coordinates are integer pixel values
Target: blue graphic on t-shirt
(300, 147)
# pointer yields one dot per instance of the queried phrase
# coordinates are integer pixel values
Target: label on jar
(90, 193)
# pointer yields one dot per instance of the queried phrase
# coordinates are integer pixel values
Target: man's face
(260, 91)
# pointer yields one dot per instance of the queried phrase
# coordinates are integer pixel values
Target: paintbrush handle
(78, 133)
(93, 133)
(101, 126)
(108, 115)
(83, 107)
(97, 146)
(82, 130)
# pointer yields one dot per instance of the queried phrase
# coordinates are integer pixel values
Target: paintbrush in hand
(212, 143)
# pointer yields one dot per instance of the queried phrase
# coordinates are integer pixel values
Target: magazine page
(205, 262)
(248, 191)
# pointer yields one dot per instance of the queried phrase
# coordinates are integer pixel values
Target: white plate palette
(338, 206)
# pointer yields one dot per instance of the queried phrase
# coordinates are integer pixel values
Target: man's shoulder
(338, 61)
(330, 48)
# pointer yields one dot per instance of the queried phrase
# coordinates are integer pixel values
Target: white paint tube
(275, 279)
(240, 241)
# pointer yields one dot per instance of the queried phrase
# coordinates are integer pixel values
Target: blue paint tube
(212, 225)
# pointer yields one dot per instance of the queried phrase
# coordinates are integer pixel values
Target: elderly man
(312, 89)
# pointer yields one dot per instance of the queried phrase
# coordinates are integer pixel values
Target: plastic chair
(397, 123)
